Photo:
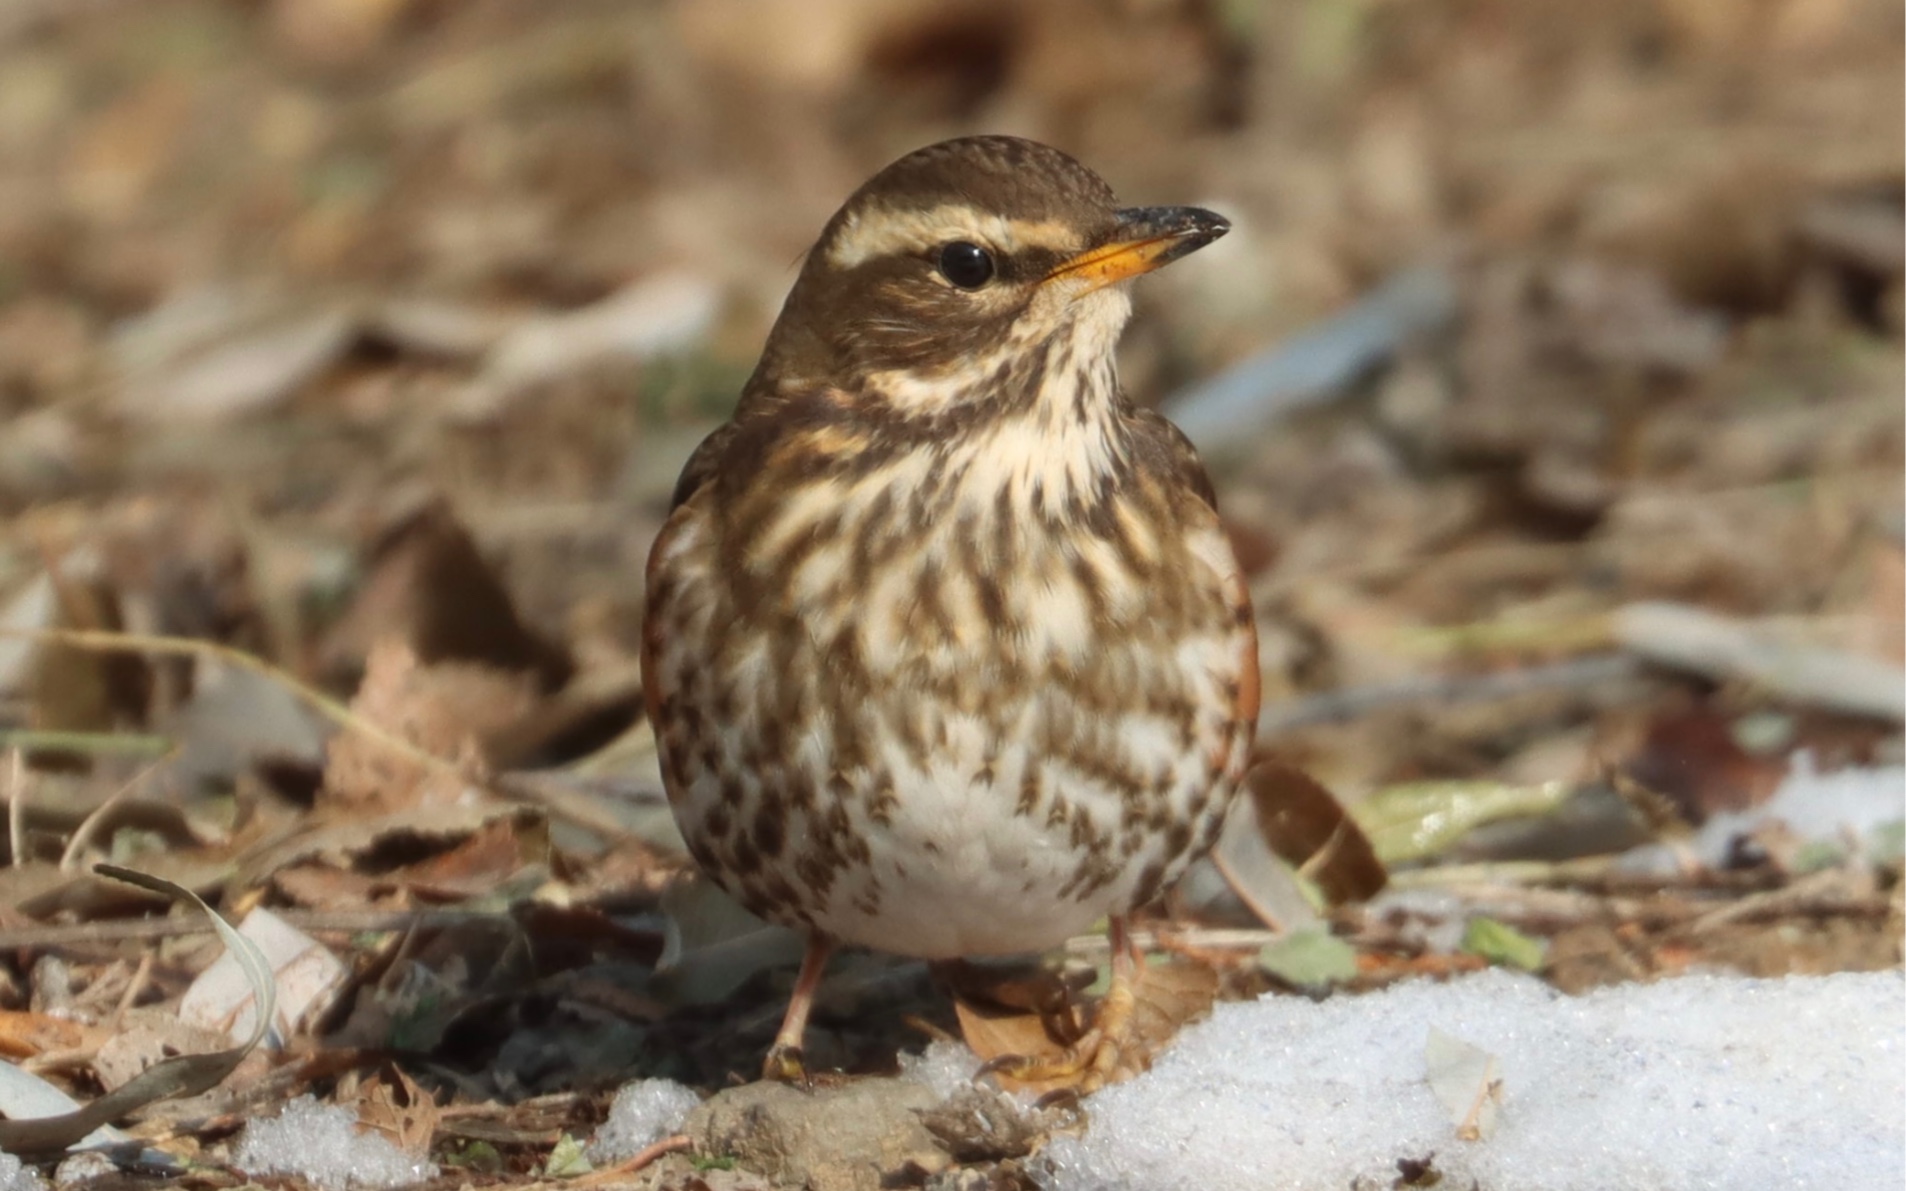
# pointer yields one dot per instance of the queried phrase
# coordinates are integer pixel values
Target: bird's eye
(966, 265)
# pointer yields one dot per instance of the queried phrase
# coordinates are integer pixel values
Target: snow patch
(321, 1143)
(644, 1113)
(1697, 1082)
(16, 1175)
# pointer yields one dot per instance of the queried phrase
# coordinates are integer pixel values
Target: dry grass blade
(106, 641)
(185, 1075)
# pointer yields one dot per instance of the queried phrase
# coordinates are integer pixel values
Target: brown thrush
(945, 650)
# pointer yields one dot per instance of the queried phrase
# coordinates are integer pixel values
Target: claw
(1093, 1061)
(786, 1064)
(1007, 1065)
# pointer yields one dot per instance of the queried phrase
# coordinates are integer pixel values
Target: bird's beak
(1144, 238)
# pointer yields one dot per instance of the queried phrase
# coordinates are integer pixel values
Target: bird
(945, 649)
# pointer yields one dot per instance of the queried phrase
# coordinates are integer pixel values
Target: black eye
(966, 265)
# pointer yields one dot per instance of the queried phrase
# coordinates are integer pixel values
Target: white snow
(1848, 807)
(1700, 1082)
(944, 1066)
(16, 1175)
(644, 1113)
(1815, 806)
(322, 1144)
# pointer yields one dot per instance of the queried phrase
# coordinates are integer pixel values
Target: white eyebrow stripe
(883, 232)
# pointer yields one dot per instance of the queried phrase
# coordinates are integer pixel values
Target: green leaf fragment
(475, 1155)
(1887, 843)
(1502, 944)
(1417, 820)
(1309, 959)
(567, 1160)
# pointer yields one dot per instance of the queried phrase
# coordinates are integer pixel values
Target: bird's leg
(1093, 1060)
(785, 1061)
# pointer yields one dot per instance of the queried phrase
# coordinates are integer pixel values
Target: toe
(785, 1064)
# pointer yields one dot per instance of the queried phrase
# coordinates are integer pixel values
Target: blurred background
(325, 322)
(1551, 379)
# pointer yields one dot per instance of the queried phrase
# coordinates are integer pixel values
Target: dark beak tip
(1175, 221)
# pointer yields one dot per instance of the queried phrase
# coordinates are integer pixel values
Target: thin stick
(668, 1145)
(92, 744)
(144, 929)
(141, 976)
(16, 807)
(105, 641)
(1335, 706)
(1211, 939)
(83, 834)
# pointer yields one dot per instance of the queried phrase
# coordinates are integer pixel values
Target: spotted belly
(978, 745)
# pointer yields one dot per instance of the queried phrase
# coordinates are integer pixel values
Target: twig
(104, 641)
(1828, 892)
(143, 929)
(141, 976)
(16, 807)
(89, 743)
(1336, 706)
(554, 1101)
(1724, 649)
(1213, 939)
(83, 834)
(668, 1145)
(1318, 363)
(1507, 872)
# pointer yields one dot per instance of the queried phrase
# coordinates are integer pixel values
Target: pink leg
(785, 1061)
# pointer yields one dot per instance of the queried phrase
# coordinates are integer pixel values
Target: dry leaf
(145, 1037)
(391, 1103)
(305, 972)
(1467, 1081)
(24, 1034)
(443, 710)
(1168, 996)
(497, 853)
(1692, 759)
(1304, 825)
(85, 690)
(430, 587)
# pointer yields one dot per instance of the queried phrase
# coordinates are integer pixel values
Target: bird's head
(964, 260)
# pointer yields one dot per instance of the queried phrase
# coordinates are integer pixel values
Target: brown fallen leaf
(443, 709)
(1691, 758)
(76, 690)
(1306, 827)
(24, 1034)
(322, 885)
(146, 1037)
(391, 1103)
(430, 587)
(356, 839)
(1169, 995)
(494, 854)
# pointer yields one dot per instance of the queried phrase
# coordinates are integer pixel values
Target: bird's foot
(786, 1064)
(1096, 1059)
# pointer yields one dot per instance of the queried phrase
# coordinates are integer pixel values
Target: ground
(349, 350)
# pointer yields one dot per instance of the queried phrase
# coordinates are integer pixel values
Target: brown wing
(1171, 453)
(702, 465)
